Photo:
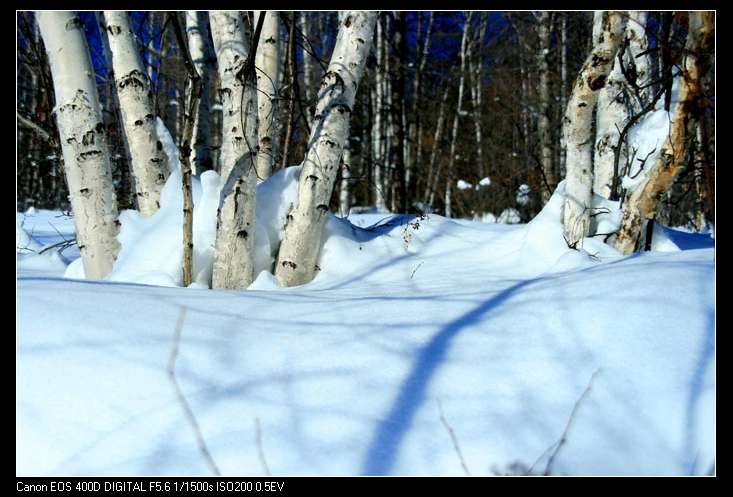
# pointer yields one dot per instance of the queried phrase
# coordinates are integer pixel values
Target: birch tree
(83, 140)
(234, 246)
(296, 261)
(578, 125)
(454, 136)
(543, 126)
(642, 204)
(611, 116)
(149, 162)
(267, 62)
(378, 125)
(204, 60)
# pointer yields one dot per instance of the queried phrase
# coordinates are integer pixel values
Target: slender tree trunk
(83, 140)
(642, 204)
(149, 162)
(296, 262)
(379, 155)
(345, 191)
(433, 175)
(267, 62)
(293, 77)
(476, 70)
(450, 176)
(564, 85)
(417, 102)
(398, 118)
(235, 234)
(578, 125)
(204, 60)
(307, 64)
(544, 131)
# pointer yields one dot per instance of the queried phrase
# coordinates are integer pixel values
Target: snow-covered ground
(408, 337)
(423, 346)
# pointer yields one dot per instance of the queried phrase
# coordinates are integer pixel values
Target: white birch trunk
(638, 44)
(83, 140)
(611, 117)
(578, 116)
(307, 64)
(456, 116)
(564, 85)
(235, 234)
(345, 191)
(204, 60)
(149, 162)
(296, 262)
(543, 126)
(267, 61)
(476, 92)
(379, 156)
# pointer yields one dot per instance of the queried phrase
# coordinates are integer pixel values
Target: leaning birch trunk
(149, 162)
(204, 60)
(296, 262)
(235, 233)
(267, 62)
(543, 126)
(643, 203)
(611, 117)
(454, 136)
(578, 126)
(83, 141)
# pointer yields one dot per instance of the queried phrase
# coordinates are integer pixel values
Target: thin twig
(453, 439)
(190, 417)
(564, 436)
(260, 451)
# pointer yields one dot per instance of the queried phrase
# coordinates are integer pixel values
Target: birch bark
(296, 262)
(83, 140)
(235, 233)
(149, 162)
(578, 125)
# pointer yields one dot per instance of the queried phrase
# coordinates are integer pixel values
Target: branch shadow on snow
(385, 444)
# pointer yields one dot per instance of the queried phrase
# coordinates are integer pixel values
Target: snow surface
(413, 328)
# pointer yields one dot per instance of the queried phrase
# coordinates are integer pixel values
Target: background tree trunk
(544, 131)
(296, 262)
(204, 60)
(267, 62)
(83, 140)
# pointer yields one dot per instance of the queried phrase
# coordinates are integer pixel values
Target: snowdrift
(415, 328)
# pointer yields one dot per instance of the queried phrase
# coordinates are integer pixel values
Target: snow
(463, 185)
(523, 194)
(509, 216)
(411, 324)
(485, 181)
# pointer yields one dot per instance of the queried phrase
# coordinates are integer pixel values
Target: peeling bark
(296, 262)
(149, 162)
(83, 140)
(642, 204)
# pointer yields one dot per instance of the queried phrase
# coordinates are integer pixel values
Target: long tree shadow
(384, 447)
